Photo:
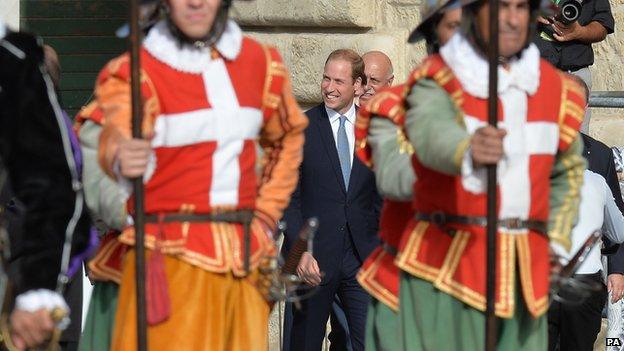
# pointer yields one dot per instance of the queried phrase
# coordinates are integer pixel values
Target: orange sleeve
(282, 140)
(112, 91)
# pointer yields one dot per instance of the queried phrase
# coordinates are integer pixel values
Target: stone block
(403, 14)
(607, 125)
(306, 13)
(607, 73)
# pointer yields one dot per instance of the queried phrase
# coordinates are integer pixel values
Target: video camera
(568, 10)
(564, 11)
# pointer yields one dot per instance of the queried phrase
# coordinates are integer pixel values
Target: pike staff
(492, 218)
(137, 183)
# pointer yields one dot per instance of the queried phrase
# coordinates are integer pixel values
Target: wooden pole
(492, 219)
(139, 195)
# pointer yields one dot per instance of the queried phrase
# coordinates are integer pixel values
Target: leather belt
(243, 217)
(441, 219)
(391, 250)
(239, 216)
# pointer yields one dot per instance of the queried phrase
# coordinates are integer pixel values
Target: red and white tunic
(541, 110)
(226, 134)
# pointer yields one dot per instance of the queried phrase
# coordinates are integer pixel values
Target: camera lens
(570, 12)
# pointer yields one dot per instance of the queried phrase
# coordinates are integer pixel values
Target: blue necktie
(343, 151)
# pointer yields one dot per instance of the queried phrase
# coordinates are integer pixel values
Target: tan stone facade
(306, 31)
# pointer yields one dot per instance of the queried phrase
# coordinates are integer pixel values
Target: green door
(83, 34)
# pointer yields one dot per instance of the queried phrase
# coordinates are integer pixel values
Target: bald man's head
(379, 73)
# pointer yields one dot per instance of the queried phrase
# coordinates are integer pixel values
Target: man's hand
(133, 156)
(308, 270)
(567, 32)
(615, 285)
(543, 20)
(30, 329)
(487, 146)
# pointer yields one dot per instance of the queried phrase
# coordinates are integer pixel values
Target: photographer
(569, 48)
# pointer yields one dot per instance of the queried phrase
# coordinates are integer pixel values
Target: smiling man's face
(378, 72)
(338, 86)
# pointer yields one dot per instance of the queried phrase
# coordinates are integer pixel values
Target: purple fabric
(74, 143)
(76, 261)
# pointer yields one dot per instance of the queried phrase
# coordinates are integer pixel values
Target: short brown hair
(357, 64)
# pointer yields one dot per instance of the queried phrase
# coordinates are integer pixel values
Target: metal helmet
(430, 10)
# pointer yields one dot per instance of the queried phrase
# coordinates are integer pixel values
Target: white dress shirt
(597, 211)
(334, 120)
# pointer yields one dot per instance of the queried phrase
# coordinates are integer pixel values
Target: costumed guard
(212, 99)
(538, 151)
(43, 219)
(382, 144)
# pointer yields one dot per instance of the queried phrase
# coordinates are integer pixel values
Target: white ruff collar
(472, 69)
(161, 44)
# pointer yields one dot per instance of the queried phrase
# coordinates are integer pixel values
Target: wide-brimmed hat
(429, 9)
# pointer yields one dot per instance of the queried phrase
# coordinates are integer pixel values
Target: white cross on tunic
(523, 139)
(226, 123)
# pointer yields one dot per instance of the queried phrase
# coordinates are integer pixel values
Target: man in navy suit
(340, 190)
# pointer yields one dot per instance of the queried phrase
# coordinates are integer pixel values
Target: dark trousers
(73, 295)
(308, 327)
(575, 327)
(339, 337)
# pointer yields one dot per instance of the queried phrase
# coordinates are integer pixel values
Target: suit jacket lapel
(327, 135)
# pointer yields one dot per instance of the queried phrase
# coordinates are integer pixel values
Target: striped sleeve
(112, 91)
(571, 111)
(565, 187)
(567, 173)
(281, 139)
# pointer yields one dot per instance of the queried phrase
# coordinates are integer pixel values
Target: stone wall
(306, 31)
